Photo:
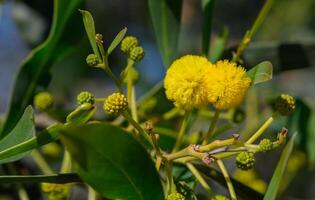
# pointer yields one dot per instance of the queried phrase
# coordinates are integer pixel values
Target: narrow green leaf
(219, 44)
(81, 114)
(24, 130)
(274, 184)
(113, 162)
(119, 37)
(241, 190)
(261, 72)
(207, 9)
(88, 22)
(165, 15)
(55, 178)
(63, 38)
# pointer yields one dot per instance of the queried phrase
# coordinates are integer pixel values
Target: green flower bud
(115, 103)
(265, 145)
(245, 160)
(92, 60)
(85, 97)
(55, 191)
(136, 54)
(175, 196)
(43, 101)
(128, 43)
(220, 197)
(285, 104)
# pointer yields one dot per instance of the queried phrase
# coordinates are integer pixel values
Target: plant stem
(201, 180)
(138, 127)
(22, 192)
(249, 34)
(66, 163)
(212, 126)
(91, 193)
(55, 178)
(227, 179)
(113, 77)
(170, 181)
(181, 133)
(99, 100)
(41, 162)
(261, 130)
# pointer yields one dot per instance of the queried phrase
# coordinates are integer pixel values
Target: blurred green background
(287, 39)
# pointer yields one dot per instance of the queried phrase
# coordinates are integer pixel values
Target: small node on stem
(99, 38)
(208, 159)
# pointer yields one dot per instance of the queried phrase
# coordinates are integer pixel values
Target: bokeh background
(286, 38)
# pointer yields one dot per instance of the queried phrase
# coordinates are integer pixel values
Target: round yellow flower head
(175, 196)
(185, 82)
(227, 85)
(55, 191)
(115, 103)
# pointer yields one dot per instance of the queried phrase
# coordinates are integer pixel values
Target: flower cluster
(193, 82)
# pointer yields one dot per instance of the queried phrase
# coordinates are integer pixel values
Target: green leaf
(274, 184)
(219, 44)
(81, 114)
(34, 72)
(113, 162)
(119, 37)
(261, 72)
(90, 30)
(24, 130)
(207, 9)
(165, 15)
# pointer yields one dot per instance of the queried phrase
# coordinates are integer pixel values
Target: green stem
(171, 188)
(249, 34)
(66, 163)
(212, 126)
(91, 194)
(56, 178)
(113, 77)
(99, 100)
(22, 192)
(41, 162)
(138, 127)
(261, 130)
(227, 179)
(182, 131)
(201, 180)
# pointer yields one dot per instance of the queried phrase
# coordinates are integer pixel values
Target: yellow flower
(185, 82)
(227, 85)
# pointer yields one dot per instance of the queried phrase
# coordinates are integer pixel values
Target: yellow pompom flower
(185, 82)
(227, 85)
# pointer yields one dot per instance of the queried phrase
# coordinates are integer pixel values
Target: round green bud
(55, 191)
(115, 103)
(265, 145)
(285, 104)
(136, 54)
(245, 160)
(43, 100)
(92, 60)
(175, 196)
(220, 197)
(85, 97)
(128, 43)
